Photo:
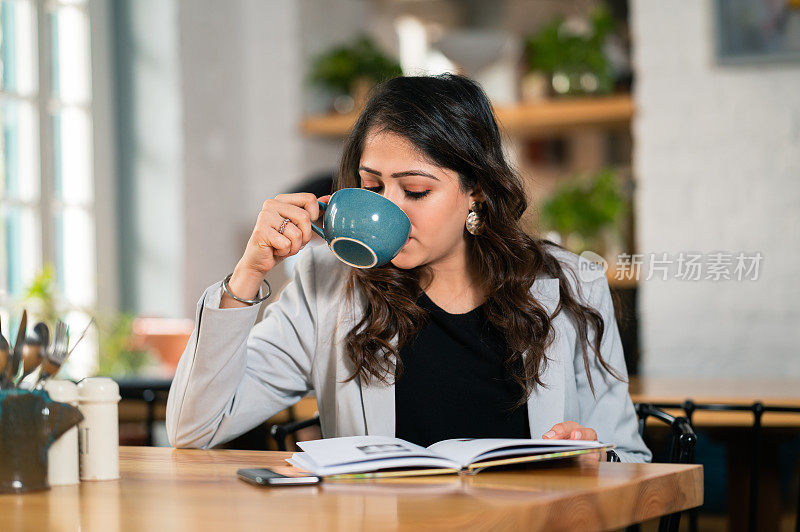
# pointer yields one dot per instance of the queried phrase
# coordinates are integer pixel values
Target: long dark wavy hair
(450, 120)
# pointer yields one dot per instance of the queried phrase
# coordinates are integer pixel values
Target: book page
(412, 466)
(485, 462)
(364, 453)
(464, 451)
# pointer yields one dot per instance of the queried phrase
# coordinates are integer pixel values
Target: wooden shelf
(613, 282)
(535, 119)
(330, 125)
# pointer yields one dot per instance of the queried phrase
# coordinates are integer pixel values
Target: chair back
(684, 438)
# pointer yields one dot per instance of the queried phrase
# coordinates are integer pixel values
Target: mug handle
(314, 227)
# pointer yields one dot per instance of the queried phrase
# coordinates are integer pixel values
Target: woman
(475, 329)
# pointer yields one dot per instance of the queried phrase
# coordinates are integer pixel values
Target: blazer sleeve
(234, 373)
(609, 411)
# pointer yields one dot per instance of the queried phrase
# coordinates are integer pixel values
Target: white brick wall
(717, 158)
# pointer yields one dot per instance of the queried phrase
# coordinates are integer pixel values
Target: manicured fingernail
(549, 434)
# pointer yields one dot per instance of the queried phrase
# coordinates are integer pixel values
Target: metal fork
(60, 352)
(55, 355)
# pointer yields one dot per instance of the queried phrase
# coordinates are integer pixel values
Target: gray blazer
(236, 373)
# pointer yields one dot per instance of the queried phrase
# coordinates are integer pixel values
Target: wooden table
(166, 489)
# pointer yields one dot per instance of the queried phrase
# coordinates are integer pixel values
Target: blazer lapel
(378, 401)
(546, 292)
(350, 419)
(546, 404)
(375, 399)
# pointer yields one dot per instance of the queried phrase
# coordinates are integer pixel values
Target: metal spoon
(16, 358)
(33, 351)
(43, 332)
(55, 355)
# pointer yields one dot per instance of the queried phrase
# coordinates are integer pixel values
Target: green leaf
(552, 49)
(119, 356)
(339, 68)
(41, 294)
(585, 207)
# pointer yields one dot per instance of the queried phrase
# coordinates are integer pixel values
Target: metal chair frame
(151, 392)
(758, 409)
(280, 432)
(684, 441)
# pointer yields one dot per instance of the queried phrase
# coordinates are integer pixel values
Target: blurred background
(140, 138)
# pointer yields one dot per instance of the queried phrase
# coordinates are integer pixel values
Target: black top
(454, 384)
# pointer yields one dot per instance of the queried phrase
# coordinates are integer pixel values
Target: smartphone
(268, 477)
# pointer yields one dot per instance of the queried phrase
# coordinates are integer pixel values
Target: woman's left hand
(570, 430)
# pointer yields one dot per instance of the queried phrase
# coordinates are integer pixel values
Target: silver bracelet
(246, 301)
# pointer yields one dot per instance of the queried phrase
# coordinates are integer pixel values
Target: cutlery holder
(29, 422)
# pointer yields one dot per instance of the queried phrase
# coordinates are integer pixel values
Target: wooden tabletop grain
(167, 489)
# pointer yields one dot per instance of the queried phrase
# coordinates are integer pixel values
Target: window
(47, 200)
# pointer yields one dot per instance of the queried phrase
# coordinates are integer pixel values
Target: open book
(384, 456)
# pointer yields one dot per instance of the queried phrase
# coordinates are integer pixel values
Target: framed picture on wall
(756, 31)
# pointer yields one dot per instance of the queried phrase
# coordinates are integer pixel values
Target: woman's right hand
(267, 247)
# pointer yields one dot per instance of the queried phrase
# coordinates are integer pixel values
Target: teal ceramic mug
(362, 228)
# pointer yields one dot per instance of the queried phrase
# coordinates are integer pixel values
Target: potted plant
(121, 355)
(570, 53)
(119, 352)
(40, 295)
(350, 70)
(586, 212)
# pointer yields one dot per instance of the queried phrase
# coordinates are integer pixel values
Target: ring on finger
(283, 225)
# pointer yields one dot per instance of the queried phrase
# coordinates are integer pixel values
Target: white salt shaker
(62, 457)
(99, 432)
